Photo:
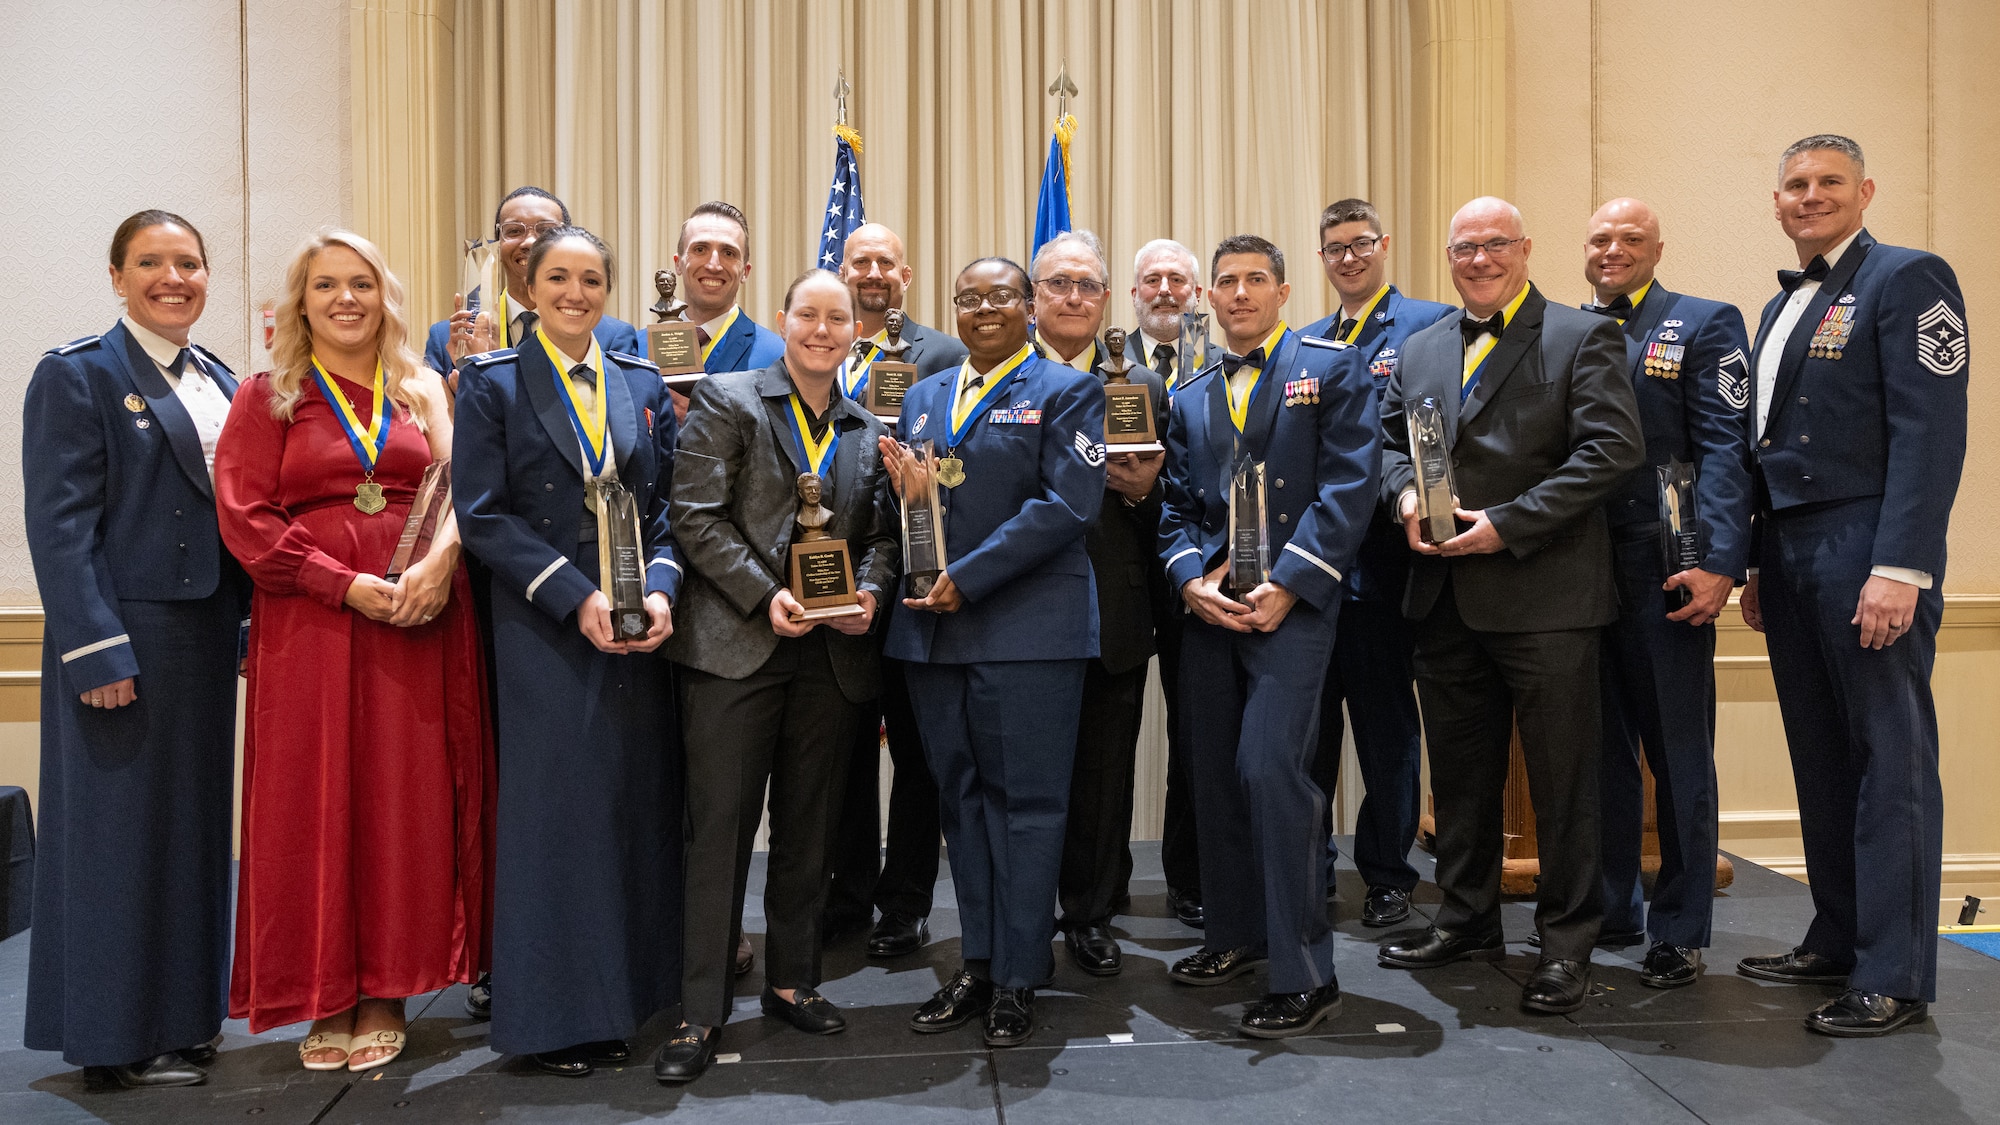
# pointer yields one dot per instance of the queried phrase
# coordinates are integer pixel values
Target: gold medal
(950, 471)
(368, 498)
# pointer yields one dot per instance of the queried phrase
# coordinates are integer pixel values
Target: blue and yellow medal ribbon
(1361, 321)
(368, 441)
(728, 323)
(814, 456)
(1476, 355)
(855, 376)
(963, 414)
(592, 426)
(1239, 408)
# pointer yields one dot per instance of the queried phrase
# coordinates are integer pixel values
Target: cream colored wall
(1603, 101)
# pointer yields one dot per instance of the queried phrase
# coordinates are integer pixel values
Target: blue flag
(843, 200)
(1052, 207)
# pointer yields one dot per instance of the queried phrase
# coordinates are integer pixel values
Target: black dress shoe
(962, 997)
(1436, 947)
(607, 1052)
(1094, 950)
(1670, 966)
(1207, 967)
(1385, 906)
(570, 1062)
(1010, 1019)
(1186, 906)
(898, 934)
(1796, 967)
(1556, 986)
(1280, 1015)
(201, 1054)
(1858, 1015)
(745, 956)
(807, 1010)
(479, 998)
(687, 1053)
(162, 1070)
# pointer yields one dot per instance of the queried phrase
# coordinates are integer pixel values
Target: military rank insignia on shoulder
(74, 346)
(484, 359)
(630, 360)
(1329, 345)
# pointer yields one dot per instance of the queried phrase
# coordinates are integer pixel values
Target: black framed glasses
(1000, 297)
(1363, 249)
(1064, 286)
(1494, 247)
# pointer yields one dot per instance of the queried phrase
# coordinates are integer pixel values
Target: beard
(1161, 319)
(874, 300)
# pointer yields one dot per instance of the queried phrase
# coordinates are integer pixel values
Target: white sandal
(326, 1041)
(391, 1039)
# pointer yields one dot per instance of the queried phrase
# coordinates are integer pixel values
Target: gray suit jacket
(734, 498)
(1549, 432)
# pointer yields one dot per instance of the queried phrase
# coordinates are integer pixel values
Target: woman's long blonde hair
(292, 344)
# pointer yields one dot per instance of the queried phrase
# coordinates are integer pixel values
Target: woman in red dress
(367, 772)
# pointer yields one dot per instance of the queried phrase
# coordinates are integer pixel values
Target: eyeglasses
(1495, 248)
(514, 232)
(1001, 297)
(1363, 247)
(1062, 287)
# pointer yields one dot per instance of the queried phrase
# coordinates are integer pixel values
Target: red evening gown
(367, 750)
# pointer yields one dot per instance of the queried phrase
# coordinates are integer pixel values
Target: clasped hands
(1262, 610)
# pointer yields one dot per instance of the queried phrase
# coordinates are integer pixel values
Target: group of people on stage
(481, 770)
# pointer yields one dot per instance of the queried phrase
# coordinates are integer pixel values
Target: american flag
(843, 200)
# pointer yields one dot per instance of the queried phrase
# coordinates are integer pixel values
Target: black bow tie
(1815, 270)
(1473, 329)
(1620, 307)
(1232, 363)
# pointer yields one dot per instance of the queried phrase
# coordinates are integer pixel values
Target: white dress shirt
(199, 393)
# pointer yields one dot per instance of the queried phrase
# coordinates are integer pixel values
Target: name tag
(1016, 417)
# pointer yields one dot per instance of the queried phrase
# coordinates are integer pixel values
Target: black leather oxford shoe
(898, 934)
(1436, 947)
(1385, 906)
(479, 998)
(962, 997)
(1855, 1014)
(1670, 966)
(1206, 968)
(1187, 908)
(807, 1010)
(1796, 967)
(686, 1054)
(570, 1062)
(1280, 1015)
(1556, 986)
(162, 1070)
(202, 1054)
(1011, 1017)
(1094, 950)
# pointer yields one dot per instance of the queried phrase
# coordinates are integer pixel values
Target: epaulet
(1321, 342)
(74, 346)
(629, 360)
(209, 356)
(1198, 376)
(485, 358)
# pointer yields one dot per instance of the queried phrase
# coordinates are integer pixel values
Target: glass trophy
(1249, 528)
(432, 502)
(621, 573)
(1129, 425)
(1430, 456)
(1193, 354)
(923, 522)
(1680, 527)
(480, 269)
(822, 571)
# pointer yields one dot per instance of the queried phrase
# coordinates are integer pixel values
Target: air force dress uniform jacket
(1857, 467)
(1310, 420)
(134, 581)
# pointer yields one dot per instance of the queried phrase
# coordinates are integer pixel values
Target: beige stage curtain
(1197, 119)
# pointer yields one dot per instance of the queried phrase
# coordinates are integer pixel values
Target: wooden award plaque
(887, 384)
(676, 348)
(822, 580)
(1128, 419)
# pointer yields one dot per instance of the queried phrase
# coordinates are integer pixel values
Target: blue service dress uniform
(1691, 371)
(1374, 645)
(1856, 467)
(997, 685)
(130, 954)
(1311, 421)
(587, 874)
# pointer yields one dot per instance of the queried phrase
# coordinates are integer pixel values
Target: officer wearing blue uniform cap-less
(1858, 430)
(1253, 660)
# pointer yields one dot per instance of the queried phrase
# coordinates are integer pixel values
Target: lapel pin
(135, 404)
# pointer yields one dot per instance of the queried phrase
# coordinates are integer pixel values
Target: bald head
(872, 266)
(1489, 212)
(1489, 254)
(874, 236)
(1622, 249)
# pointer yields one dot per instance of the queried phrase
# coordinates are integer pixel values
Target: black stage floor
(1450, 1044)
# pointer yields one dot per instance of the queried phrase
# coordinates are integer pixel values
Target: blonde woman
(367, 750)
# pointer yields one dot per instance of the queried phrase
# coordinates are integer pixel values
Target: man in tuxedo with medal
(1071, 289)
(995, 650)
(1296, 413)
(867, 873)
(1541, 426)
(1689, 365)
(1372, 648)
(1858, 430)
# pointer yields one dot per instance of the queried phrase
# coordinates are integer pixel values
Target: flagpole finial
(840, 90)
(1063, 89)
